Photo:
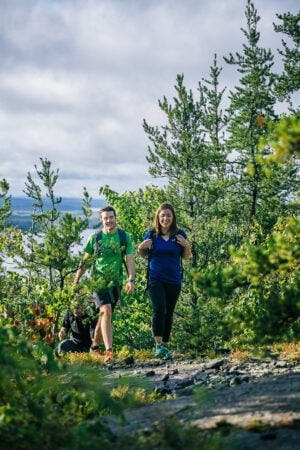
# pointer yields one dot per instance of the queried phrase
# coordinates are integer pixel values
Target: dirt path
(264, 409)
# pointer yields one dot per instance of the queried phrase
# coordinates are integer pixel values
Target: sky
(78, 77)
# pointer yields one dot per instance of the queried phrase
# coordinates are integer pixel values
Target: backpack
(123, 244)
(153, 236)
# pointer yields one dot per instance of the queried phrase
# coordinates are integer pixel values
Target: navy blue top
(165, 264)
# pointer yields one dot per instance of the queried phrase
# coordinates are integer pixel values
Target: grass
(286, 351)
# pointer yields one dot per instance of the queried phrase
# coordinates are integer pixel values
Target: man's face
(109, 221)
(78, 311)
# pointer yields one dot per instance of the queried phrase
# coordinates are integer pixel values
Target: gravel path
(260, 398)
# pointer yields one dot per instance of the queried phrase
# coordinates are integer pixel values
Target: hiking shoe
(96, 351)
(108, 355)
(162, 352)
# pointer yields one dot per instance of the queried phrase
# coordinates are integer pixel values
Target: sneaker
(96, 351)
(162, 352)
(108, 355)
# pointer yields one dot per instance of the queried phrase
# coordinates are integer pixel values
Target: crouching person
(80, 323)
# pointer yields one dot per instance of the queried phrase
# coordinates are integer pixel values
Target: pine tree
(53, 233)
(258, 199)
(289, 81)
(189, 152)
(5, 205)
(178, 148)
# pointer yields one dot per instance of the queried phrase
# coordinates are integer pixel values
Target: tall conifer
(257, 198)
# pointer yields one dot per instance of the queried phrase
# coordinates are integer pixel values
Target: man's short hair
(108, 209)
(77, 303)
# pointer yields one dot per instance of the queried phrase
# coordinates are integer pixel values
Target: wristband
(132, 280)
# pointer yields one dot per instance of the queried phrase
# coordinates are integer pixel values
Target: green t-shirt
(108, 265)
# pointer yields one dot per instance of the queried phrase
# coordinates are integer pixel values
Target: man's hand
(129, 287)
(62, 333)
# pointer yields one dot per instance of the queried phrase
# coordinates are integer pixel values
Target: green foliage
(284, 139)
(38, 292)
(35, 408)
(5, 202)
(266, 278)
(200, 329)
(132, 322)
(258, 198)
(288, 82)
(231, 176)
(233, 180)
(170, 434)
(53, 235)
(46, 404)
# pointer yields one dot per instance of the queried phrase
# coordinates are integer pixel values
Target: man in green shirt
(108, 271)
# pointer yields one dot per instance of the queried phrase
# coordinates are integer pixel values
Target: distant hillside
(24, 204)
(22, 209)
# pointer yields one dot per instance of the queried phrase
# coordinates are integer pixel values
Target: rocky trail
(258, 399)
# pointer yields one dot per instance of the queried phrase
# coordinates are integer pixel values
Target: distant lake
(22, 209)
(24, 204)
(11, 264)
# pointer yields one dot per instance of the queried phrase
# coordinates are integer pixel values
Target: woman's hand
(186, 246)
(181, 241)
(146, 244)
(144, 247)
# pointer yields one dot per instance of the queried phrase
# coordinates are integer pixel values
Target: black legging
(163, 297)
(68, 345)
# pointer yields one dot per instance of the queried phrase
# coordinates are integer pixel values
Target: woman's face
(165, 218)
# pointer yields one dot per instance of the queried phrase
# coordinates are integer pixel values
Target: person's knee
(105, 311)
(63, 347)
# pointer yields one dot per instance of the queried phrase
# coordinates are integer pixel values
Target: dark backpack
(123, 244)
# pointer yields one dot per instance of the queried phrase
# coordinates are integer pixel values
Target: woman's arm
(185, 245)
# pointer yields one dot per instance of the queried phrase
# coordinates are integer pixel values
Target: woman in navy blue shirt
(165, 245)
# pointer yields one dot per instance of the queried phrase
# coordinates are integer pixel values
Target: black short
(107, 297)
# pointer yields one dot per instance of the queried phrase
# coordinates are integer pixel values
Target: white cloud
(77, 78)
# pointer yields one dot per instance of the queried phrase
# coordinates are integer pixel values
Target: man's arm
(81, 269)
(62, 333)
(65, 326)
(131, 273)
